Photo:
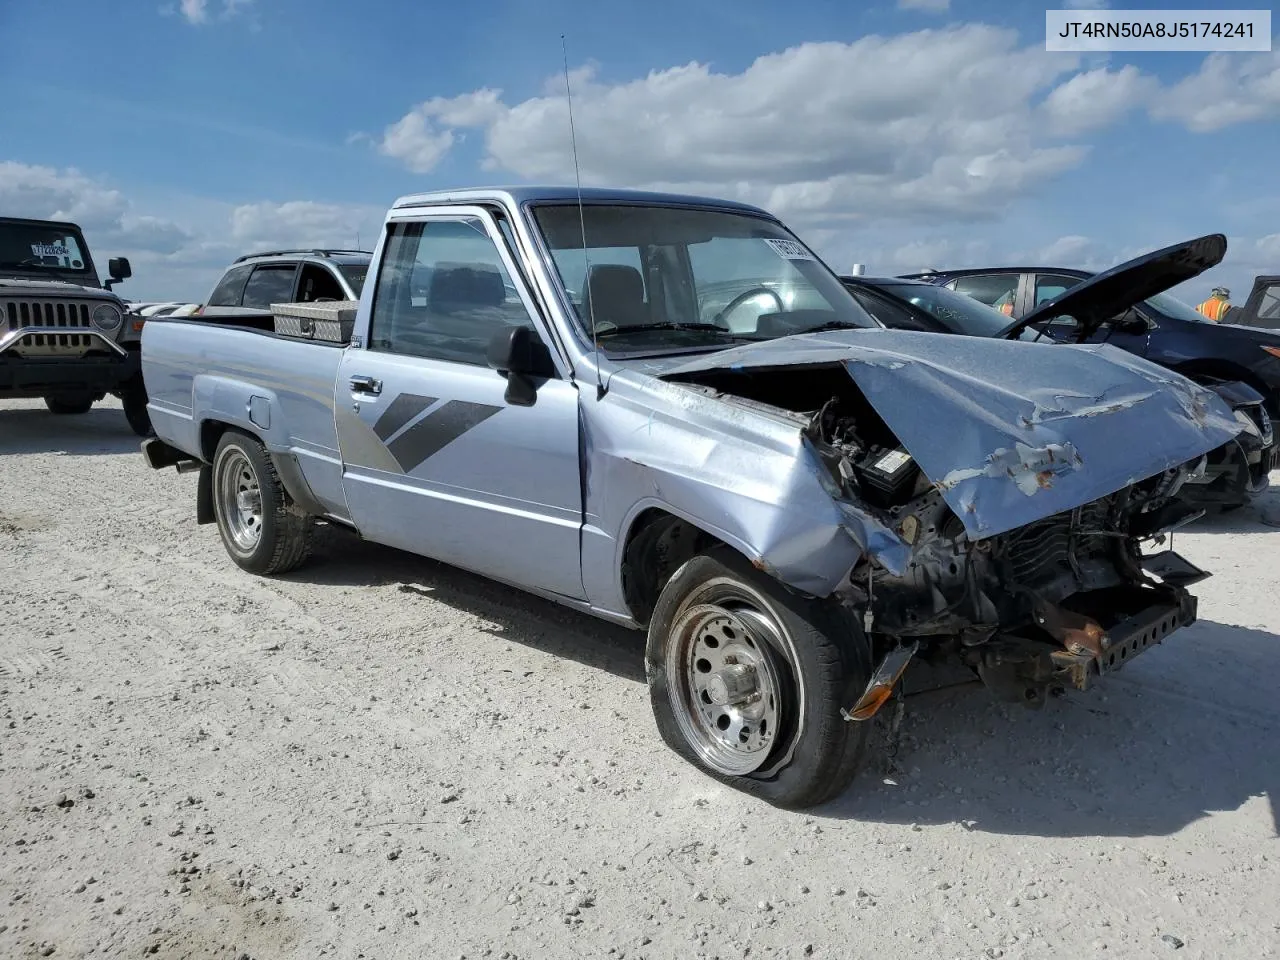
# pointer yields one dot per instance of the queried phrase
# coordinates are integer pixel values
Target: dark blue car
(1128, 307)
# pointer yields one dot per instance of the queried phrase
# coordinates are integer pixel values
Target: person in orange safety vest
(1216, 307)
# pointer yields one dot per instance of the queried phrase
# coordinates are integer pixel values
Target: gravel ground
(379, 756)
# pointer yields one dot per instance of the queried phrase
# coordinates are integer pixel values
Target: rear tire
(262, 530)
(133, 396)
(68, 405)
(747, 680)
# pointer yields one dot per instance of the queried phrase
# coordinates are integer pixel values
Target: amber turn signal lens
(871, 701)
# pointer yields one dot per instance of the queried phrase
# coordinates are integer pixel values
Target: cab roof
(517, 195)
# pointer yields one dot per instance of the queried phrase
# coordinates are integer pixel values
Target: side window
(1269, 308)
(894, 315)
(1049, 286)
(270, 283)
(994, 289)
(442, 292)
(230, 287)
(318, 283)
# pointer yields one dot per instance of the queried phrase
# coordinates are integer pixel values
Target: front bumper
(1126, 640)
(1091, 635)
(43, 376)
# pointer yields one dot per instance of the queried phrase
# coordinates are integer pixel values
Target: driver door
(434, 460)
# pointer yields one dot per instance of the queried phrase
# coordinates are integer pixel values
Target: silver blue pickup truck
(666, 411)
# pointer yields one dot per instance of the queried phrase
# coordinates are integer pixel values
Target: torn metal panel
(1010, 433)
(743, 475)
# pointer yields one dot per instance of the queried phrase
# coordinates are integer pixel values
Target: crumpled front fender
(744, 477)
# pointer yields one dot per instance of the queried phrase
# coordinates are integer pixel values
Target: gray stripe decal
(437, 430)
(399, 412)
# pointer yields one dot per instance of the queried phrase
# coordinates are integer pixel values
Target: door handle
(361, 384)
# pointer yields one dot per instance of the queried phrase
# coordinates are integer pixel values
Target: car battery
(887, 476)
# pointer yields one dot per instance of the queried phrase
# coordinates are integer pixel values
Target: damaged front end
(1038, 608)
(1023, 564)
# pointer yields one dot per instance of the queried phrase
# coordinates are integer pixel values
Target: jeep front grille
(62, 320)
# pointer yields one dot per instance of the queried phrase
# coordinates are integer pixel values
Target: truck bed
(200, 373)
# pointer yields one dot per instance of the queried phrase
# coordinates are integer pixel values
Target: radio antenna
(582, 226)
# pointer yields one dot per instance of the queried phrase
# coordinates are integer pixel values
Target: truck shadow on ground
(1189, 730)
(341, 558)
(103, 430)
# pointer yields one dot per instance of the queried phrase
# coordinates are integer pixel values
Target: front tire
(747, 680)
(68, 405)
(261, 529)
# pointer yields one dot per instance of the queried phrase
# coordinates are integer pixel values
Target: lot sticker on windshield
(789, 250)
(50, 250)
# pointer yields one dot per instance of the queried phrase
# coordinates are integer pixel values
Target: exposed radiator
(1040, 551)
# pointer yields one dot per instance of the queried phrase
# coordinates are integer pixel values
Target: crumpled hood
(1009, 432)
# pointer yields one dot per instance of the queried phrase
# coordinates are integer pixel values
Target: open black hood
(1105, 295)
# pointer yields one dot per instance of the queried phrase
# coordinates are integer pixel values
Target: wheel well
(211, 432)
(658, 543)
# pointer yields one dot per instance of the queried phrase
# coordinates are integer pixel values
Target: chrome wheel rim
(240, 500)
(727, 694)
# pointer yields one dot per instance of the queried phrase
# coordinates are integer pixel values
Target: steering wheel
(743, 297)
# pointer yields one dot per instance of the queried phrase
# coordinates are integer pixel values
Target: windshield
(960, 312)
(664, 278)
(43, 248)
(1171, 306)
(355, 273)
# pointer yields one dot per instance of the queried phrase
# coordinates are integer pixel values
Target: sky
(900, 134)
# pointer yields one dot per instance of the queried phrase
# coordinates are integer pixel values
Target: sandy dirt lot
(382, 757)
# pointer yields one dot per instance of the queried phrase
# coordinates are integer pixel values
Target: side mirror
(519, 354)
(119, 269)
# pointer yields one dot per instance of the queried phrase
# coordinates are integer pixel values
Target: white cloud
(938, 253)
(422, 137)
(416, 141)
(1268, 249)
(197, 12)
(817, 130)
(930, 6)
(302, 223)
(104, 215)
(1097, 98)
(1228, 88)
(1072, 250)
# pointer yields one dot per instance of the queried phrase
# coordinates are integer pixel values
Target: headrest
(613, 284)
(460, 285)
